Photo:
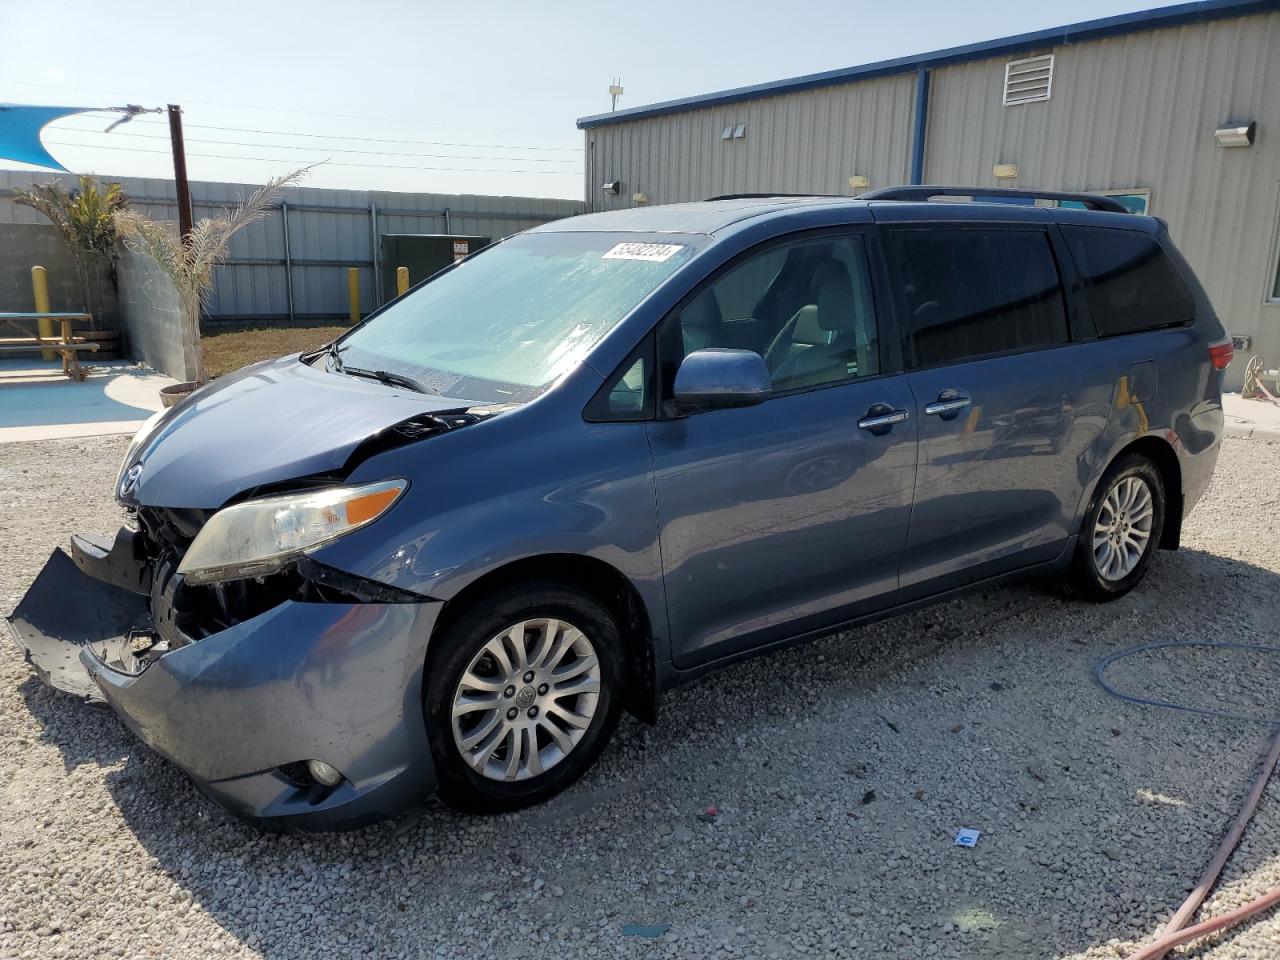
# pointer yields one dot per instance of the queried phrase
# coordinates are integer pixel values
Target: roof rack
(1089, 200)
(767, 196)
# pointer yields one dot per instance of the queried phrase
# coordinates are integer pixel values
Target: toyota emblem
(129, 482)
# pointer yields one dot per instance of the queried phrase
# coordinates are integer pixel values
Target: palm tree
(85, 217)
(190, 262)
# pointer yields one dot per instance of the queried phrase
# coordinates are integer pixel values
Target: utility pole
(192, 361)
(615, 91)
(180, 171)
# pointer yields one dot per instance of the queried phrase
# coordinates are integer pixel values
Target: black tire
(461, 785)
(1084, 576)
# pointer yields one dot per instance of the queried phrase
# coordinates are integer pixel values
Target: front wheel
(1121, 532)
(522, 694)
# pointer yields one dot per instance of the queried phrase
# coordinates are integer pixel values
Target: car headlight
(258, 537)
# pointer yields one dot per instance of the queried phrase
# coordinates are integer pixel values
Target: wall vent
(1028, 81)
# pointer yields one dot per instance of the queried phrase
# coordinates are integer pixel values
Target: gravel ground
(840, 769)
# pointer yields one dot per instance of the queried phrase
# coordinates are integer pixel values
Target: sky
(458, 97)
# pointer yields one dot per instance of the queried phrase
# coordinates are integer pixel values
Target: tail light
(1220, 353)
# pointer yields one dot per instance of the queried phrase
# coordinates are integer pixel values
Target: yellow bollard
(402, 281)
(40, 290)
(353, 293)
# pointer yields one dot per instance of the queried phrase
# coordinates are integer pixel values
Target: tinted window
(971, 293)
(1131, 282)
(806, 307)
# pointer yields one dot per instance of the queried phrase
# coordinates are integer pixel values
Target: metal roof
(1124, 23)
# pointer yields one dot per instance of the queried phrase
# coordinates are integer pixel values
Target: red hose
(1168, 941)
(1173, 935)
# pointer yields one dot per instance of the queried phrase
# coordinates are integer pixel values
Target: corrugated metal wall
(1127, 111)
(795, 143)
(1140, 111)
(329, 230)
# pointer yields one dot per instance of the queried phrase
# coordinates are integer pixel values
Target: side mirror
(717, 378)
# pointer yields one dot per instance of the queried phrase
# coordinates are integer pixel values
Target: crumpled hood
(267, 423)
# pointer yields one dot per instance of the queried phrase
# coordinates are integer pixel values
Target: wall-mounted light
(859, 181)
(1005, 171)
(1236, 135)
(611, 187)
(639, 199)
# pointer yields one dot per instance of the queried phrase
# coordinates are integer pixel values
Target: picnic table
(66, 343)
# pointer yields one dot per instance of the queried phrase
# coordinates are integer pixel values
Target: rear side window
(1131, 282)
(972, 293)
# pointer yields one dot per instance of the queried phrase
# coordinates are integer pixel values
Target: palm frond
(153, 239)
(190, 263)
(85, 216)
(210, 239)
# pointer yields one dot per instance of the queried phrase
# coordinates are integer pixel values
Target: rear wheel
(1121, 532)
(522, 694)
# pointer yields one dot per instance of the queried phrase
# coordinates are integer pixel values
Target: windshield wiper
(387, 377)
(334, 354)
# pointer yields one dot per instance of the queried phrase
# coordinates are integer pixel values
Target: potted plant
(189, 262)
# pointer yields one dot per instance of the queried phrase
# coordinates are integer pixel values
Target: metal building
(293, 265)
(1141, 106)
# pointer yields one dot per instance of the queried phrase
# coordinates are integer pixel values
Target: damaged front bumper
(242, 709)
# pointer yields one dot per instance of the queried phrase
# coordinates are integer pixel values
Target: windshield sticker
(653, 252)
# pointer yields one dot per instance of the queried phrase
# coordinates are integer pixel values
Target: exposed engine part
(421, 427)
(183, 612)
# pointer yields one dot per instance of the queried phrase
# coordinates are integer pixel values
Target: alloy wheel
(526, 699)
(1123, 528)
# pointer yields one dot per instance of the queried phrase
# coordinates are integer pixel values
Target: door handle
(947, 405)
(881, 417)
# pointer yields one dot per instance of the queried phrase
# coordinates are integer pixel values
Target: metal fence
(292, 266)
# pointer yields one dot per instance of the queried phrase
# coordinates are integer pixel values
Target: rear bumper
(338, 682)
(1198, 454)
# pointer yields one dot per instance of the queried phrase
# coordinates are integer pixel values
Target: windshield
(505, 324)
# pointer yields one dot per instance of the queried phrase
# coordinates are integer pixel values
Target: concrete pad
(1251, 419)
(37, 402)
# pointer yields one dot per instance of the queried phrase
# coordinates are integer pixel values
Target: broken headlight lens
(258, 537)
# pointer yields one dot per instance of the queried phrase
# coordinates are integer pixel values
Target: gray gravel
(841, 771)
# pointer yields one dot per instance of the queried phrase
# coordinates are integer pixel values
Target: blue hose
(1101, 669)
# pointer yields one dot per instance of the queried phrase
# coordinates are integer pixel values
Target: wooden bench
(66, 344)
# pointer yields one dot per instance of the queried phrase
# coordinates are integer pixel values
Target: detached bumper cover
(66, 610)
(338, 682)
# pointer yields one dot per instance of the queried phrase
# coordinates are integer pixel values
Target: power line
(285, 146)
(328, 163)
(275, 109)
(344, 136)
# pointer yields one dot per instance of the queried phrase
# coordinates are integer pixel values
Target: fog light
(323, 773)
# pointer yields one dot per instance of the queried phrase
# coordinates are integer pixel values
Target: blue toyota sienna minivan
(609, 454)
